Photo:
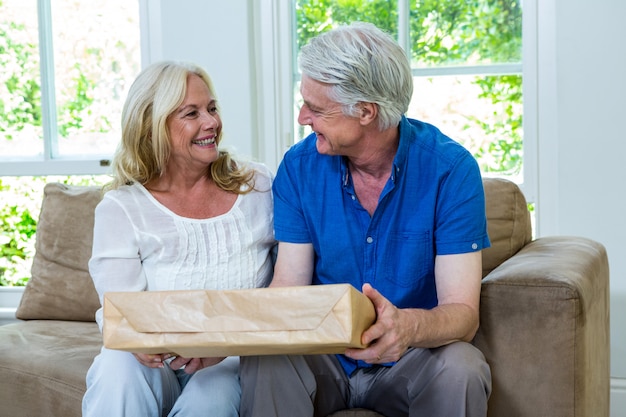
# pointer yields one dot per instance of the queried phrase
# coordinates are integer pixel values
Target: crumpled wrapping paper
(316, 319)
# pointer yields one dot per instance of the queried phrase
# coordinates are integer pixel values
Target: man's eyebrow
(310, 105)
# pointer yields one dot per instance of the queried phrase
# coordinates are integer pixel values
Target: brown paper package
(315, 319)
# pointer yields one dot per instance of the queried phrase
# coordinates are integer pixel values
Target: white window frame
(273, 58)
(530, 180)
(52, 163)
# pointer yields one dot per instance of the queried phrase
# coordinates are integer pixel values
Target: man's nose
(304, 116)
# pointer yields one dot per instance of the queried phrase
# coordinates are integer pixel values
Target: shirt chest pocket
(408, 258)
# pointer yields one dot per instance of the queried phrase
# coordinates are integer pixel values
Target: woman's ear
(368, 113)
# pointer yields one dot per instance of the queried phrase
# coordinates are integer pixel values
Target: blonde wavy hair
(145, 147)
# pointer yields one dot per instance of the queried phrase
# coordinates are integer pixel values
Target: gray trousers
(450, 381)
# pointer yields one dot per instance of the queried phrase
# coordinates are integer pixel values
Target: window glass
(453, 32)
(483, 113)
(94, 53)
(316, 16)
(96, 57)
(20, 94)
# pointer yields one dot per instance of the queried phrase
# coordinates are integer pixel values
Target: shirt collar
(399, 162)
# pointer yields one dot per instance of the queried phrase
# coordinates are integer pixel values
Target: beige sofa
(544, 316)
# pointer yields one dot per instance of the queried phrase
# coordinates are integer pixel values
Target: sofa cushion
(60, 287)
(508, 221)
(43, 364)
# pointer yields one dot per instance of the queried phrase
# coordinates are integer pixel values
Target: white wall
(582, 141)
(581, 90)
(218, 36)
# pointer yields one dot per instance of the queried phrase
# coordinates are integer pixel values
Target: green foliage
(505, 126)
(317, 16)
(71, 112)
(16, 229)
(446, 32)
(21, 197)
(20, 89)
(20, 98)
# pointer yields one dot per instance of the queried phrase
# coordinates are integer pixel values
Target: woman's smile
(206, 141)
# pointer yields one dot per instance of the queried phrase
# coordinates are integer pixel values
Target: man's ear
(368, 113)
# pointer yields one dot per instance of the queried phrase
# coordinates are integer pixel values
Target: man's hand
(389, 337)
(458, 280)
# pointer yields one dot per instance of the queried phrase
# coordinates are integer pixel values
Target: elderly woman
(179, 214)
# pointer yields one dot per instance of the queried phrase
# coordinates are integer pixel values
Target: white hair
(361, 63)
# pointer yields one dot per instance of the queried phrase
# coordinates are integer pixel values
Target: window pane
(20, 94)
(96, 57)
(316, 16)
(484, 113)
(469, 32)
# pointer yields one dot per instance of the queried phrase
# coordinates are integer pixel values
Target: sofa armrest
(544, 330)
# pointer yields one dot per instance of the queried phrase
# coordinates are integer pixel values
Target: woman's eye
(212, 109)
(192, 113)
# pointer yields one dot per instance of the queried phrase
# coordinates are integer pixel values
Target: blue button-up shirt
(433, 204)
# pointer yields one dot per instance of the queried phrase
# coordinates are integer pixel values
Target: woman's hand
(194, 364)
(191, 365)
(152, 361)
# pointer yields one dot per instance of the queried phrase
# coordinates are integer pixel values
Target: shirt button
(353, 197)
(369, 239)
(474, 246)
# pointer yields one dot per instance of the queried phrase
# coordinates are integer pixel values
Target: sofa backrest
(61, 288)
(508, 222)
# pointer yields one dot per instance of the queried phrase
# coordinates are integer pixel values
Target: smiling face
(194, 127)
(337, 134)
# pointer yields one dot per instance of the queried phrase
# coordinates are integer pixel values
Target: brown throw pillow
(60, 287)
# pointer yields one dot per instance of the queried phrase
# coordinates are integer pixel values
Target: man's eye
(212, 109)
